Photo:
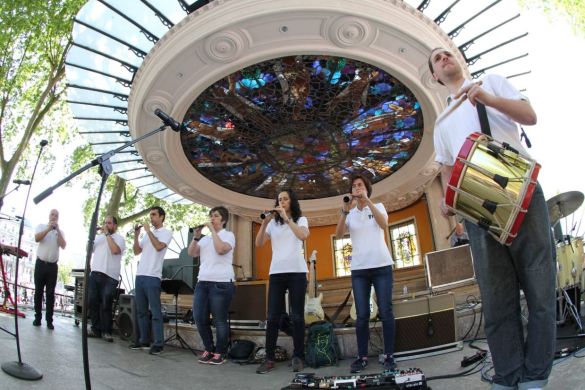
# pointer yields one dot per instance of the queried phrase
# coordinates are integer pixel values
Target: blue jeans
(213, 298)
(296, 283)
(147, 290)
(102, 290)
(361, 281)
(520, 362)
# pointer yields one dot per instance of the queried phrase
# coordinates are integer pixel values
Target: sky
(556, 60)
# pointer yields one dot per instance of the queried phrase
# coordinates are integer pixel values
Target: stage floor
(57, 354)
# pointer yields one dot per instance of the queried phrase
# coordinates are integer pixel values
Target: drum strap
(483, 119)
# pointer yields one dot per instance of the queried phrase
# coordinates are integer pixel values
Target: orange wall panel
(320, 239)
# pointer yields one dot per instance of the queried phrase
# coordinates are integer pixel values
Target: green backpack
(321, 348)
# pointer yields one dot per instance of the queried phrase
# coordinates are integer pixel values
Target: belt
(48, 262)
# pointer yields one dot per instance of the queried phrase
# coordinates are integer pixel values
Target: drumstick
(455, 106)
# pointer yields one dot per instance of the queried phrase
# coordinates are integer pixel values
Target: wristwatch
(343, 212)
(108, 234)
(197, 238)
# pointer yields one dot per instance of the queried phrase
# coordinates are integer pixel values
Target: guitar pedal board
(407, 379)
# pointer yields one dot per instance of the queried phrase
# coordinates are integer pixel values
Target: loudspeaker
(449, 267)
(250, 300)
(425, 322)
(127, 318)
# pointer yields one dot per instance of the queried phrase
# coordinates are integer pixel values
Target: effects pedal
(469, 360)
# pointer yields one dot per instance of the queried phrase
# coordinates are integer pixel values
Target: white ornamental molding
(224, 46)
(350, 31)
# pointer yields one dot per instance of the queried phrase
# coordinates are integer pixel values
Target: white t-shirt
(451, 132)
(151, 260)
(287, 249)
(368, 245)
(104, 260)
(48, 249)
(215, 267)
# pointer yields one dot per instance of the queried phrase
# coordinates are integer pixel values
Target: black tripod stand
(176, 287)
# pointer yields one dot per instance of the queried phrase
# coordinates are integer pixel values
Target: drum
(491, 185)
(570, 263)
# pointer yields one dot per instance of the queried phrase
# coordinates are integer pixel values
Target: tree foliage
(571, 10)
(34, 40)
(122, 200)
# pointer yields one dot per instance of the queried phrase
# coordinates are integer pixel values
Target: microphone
(266, 214)
(167, 120)
(23, 182)
(346, 199)
(44, 143)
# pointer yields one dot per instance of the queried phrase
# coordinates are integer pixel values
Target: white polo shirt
(104, 260)
(451, 132)
(213, 266)
(368, 245)
(287, 249)
(48, 249)
(151, 260)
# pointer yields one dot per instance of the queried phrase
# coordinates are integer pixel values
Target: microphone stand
(18, 369)
(8, 193)
(105, 169)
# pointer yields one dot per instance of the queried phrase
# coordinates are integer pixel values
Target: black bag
(322, 348)
(242, 351)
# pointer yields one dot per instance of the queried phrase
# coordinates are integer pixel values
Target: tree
(122, 200)
(572, 10)
(34, 41)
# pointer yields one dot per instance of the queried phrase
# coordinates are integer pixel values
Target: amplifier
(449, 268)
(250, 301)
(425, 326)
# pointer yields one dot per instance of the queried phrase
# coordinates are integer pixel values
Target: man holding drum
(527, 263)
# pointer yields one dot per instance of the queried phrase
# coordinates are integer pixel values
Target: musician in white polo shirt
(521, 360)
(152, 249)
(215, 284)
(371, 266)
(50, 239)
(103, 279)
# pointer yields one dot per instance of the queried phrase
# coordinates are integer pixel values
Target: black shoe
(155, 350)
(358, 365)
(93, 334)
(217, 359)
(297, 364)
(206, 357)
(266, 366)
(138, 345)
(37, 323)
(50, 326)
(389, 364)
(108, 337)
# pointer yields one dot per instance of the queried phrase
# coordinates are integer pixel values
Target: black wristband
(197, 238)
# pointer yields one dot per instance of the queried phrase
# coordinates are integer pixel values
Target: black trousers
(45, 277)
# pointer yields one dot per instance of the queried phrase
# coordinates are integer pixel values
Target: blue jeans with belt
(147, 291)
(520, 362)
(213, 298)
(102, 290)
(381, 279)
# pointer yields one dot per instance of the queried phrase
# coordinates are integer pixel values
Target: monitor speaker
(249, 301)
(425, 322)
(127, 318)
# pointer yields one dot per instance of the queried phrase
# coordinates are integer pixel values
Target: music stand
(176, 287)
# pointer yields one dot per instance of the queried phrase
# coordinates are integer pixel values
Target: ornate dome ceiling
(272, 93)
(306, 122)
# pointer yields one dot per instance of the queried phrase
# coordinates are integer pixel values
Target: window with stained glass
(404, 244)
(342, 255)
